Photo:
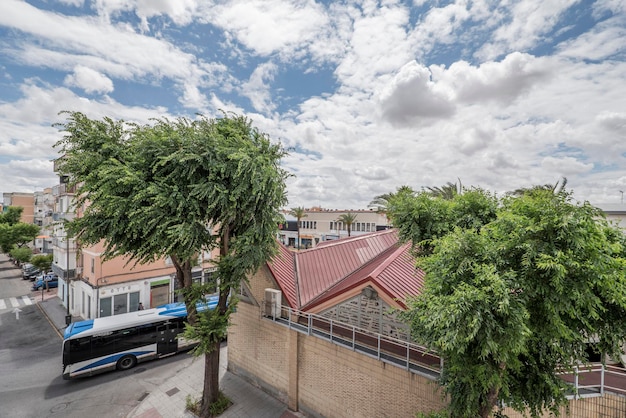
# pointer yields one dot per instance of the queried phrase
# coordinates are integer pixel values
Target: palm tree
(446, 192)
(556, 188)
(298, 213)
(381, 202)
(347, 219)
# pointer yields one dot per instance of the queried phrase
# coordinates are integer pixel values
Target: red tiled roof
(310, 277)
(282, 268)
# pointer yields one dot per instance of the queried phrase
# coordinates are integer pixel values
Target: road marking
(26, 300)
(3, 304)
(14, 302)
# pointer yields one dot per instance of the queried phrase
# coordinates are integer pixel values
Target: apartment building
(25, 200)
(320, 225)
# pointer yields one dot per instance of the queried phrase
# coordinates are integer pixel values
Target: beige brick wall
(258, 350)
(337, 382)
(331, 381)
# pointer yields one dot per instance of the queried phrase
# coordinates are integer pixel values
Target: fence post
(408, 355)
(602, 381)
(310, 324)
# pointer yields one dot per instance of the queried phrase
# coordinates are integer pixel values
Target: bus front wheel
(126, 362)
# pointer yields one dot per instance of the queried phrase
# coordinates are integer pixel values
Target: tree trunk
(491, 399)
(210, 393)
(183, 278)
(490, 402)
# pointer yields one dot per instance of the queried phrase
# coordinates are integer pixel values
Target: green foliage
(42, 261)
(21, 254)
(420, 218)
(216, 409)
(178, 188)
(13, 232)
(381, 202)
(11, 215)
(514, 291)
(210, 327)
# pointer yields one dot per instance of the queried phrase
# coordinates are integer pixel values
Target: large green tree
(515, 290)
(14, 233)
(178, 189)
(381, 202)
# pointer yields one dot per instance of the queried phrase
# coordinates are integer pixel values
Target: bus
(121, 341)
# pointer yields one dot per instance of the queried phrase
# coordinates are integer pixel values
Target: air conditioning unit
(273, 302)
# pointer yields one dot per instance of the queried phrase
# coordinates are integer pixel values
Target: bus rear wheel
(126, 362)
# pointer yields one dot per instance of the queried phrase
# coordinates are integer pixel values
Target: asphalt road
(31, 385)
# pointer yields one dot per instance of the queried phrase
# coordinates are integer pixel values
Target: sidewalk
(169, 399)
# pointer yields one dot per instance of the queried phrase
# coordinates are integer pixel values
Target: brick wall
(322, 379)
(328, 380)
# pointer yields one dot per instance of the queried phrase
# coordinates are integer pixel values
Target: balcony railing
(590, 381)
(63, 244)
(404, 354)
(60, 216)
(63, 189)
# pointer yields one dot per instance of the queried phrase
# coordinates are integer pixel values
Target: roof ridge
(386, 253)
(334, 242)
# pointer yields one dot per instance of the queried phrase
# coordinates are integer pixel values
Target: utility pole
(68, 316)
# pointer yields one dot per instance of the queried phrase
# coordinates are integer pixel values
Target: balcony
(63, 216)
(63, 189)
(62, 244)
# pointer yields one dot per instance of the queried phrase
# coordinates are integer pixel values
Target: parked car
(31, 273)
(27, 266)
(52, 281)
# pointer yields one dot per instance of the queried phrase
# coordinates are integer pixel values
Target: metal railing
(404, 354)
(590, 381)
(595, 380)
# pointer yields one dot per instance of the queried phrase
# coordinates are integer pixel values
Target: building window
(93, 266)
(118, 304)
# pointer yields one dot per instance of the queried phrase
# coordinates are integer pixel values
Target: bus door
(166, 339)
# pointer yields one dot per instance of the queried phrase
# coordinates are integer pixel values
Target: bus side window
(103, 345)
(80, 349)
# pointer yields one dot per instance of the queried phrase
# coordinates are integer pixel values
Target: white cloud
(566, 166)
(115, 51)
(268, 26)
(529, 21)
(500, 81)
(89, 80)
(603, 41)
(411, 98)
(257, 88)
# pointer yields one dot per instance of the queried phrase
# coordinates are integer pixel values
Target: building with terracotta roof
(318, 330)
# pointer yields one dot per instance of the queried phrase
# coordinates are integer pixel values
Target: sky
(367, 96)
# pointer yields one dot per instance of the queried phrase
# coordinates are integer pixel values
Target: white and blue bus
(121, 341)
